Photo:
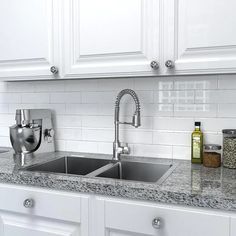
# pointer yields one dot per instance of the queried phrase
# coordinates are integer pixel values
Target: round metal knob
(54, 70)
(49, 134)
(28, 203)
(156, 223)
(154, 65)
(170, 64)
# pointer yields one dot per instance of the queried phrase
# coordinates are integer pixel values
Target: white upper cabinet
(200, 36)
(116, 38)
(110, 37)
(27, 39)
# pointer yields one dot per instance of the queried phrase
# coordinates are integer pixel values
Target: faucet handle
(125, 148)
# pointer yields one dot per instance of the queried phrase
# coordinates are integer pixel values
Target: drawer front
(127, 217)
(46, 203)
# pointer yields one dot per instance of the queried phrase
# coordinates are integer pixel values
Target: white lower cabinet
(52, 213)
(126, 218)
(56, 213)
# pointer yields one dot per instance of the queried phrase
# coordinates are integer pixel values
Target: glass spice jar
(229, 148)
(212, 155)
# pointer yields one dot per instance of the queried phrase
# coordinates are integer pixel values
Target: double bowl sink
(91, 167)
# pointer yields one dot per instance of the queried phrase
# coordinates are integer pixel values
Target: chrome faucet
(119, 149)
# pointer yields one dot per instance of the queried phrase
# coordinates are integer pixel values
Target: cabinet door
(28, 40)
(110, 37)
(126, 218)
(200, 36)
(53, 213)
(21, 225)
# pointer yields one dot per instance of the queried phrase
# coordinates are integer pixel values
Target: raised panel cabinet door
(109, 38)
(27, 39)
(126, 218)
(21, 225)
(200, 36)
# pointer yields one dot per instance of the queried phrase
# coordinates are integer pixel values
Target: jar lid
(229, 131)
(212, 147)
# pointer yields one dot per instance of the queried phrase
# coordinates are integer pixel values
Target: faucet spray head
(136, 120)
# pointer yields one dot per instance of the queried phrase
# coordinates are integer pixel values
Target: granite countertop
(192, 185)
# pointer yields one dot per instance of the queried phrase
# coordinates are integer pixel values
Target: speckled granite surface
(191, 185)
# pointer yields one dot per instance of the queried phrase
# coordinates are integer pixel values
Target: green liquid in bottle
(197, 144)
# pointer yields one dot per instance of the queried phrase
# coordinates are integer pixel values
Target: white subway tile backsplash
(181, 97)
(4, 108)
(98, 97)
(160, 151)
(172, 138)
(215, 138)
(195, 82)
(5, 141)
(136, 136)
(227, 81)
(181, 152)
(162, 110)
(35, 98)
(68, 133)
(49, 86)
(4, 131)
(3, 87)
(20, 87)
(69, 121)
(60, 145)
(173, 124)
(100, 135)
(81, 85)
(81, 146)
(217, 124)
(10, 98)
(98, 121)
(6, 119)
(115, 84)
(72, 97)
(227, 110)
(83, 111)
(195, 110)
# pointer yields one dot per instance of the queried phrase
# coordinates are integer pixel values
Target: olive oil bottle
(197, 144)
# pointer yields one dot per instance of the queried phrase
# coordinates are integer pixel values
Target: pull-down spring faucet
(118, 149)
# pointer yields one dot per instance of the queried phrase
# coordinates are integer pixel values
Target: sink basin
(91, 167)
(137, 171)
(70, 165)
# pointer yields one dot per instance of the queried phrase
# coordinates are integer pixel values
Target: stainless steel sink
(137, 171)
(91, 167)
(70, 165)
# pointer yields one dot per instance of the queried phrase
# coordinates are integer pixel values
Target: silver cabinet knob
(170, 64)
(156, 223)
(54, 70)
(154, 65)
(28, 203)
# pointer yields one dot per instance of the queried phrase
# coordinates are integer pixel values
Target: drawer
(126, 217)
(46, 203)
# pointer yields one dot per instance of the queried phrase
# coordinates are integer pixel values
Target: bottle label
(196, 148)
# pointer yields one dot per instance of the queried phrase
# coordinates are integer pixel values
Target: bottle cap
(197, 123)
(212, 147)
(229, 131)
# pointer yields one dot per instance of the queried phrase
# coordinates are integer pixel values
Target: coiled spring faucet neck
(118, 149)
(136, 116)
